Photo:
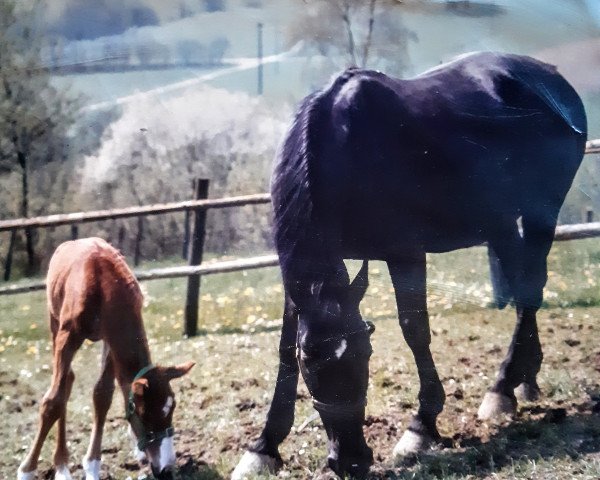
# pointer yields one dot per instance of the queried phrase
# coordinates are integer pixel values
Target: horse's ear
(359, 285)
(139, 386)
(178, 371)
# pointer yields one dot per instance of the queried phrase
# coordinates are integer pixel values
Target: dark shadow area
(194, 469)
(552, 435)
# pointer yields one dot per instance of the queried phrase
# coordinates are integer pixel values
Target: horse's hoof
(528, 392)
(411, 443)
(62, 473)
(91, 469)
(21, 475)
(496, 404)
(253, 463)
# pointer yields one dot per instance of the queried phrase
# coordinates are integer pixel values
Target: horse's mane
(291, 181)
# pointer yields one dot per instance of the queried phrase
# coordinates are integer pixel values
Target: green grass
(222, 403)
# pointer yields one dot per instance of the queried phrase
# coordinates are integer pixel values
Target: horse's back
(431, 160)
(86, 279)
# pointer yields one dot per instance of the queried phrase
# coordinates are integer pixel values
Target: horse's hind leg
(408, 278)
(263, 456)
(53, 407)
(103, 394)
(524, 357)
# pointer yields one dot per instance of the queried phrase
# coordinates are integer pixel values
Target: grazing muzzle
(336, 371)
(157, 445)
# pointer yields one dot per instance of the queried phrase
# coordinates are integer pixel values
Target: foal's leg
(53, 407)
(263, 455)
(524, 357)
(409, 280)
(61, 453)
(103, 394)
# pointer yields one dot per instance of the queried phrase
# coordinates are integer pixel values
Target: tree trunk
(348, 24)
(369, 39)
(31, 260)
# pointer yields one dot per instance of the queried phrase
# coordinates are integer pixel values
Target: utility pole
(260, 57)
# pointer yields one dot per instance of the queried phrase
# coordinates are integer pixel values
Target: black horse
(379, 168)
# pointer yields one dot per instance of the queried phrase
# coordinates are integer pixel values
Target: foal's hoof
(496, 404)
(252, 464)
(21, 475)
(411, 443)
(528, 392)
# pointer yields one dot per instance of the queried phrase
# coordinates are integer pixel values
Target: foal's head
(334, 359)
(150, 415)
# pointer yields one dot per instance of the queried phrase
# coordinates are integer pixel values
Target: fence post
(195, 250)
(9, 255)
(589, 215)
(74, 232)
(137, 253)
(121, 237)
(186, 226)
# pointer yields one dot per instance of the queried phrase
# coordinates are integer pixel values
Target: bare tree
(34, 116)
(346, 27)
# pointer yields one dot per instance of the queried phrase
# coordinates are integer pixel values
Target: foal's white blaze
(91, 469)
(341, 348)
(164, 456)
(167, 407)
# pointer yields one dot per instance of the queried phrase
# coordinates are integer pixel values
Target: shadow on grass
(197, 470)
(555, 437)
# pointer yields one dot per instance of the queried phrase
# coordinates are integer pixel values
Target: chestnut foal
(92, 294)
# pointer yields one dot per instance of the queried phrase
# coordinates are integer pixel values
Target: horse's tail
(500, 286)
(290, 182)
(549, 86)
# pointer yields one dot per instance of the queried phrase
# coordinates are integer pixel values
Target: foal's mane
(123, 272)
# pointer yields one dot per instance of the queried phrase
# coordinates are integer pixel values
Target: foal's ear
(178, 371)
(359, 285)
(139, 386)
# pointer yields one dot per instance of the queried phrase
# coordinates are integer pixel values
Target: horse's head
(150, 415)
(334, 350)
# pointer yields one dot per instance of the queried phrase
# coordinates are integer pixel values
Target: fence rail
(592, 146)
(198, 206)
(157, 209)
(172, 272)
(576, 231)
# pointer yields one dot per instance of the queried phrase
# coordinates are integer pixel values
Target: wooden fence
(195, 268)
(193, 242)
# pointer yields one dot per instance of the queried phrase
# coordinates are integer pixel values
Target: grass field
(222, 403)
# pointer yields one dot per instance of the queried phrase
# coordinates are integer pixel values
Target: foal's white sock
(62, 473)
(91, 469)
(21, 475)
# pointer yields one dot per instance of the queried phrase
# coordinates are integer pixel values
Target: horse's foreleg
(263, 455)
(53, 408)
(409, 278)
(524, 357)
(103, 394)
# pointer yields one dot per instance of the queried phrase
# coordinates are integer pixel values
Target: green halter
(133, 418)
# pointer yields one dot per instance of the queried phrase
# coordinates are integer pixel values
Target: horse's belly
(377, 237)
